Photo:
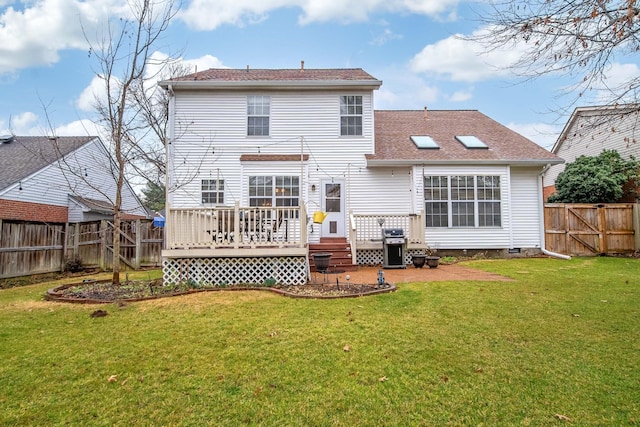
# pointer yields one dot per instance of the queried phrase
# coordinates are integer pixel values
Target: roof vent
(301, 65)
(6, 139)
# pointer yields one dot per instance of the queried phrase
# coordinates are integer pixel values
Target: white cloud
(463, 60)
(543, 134)
(33, 36)
(25, 123)
(409, 92)
(78, 128)
(385, 37)
(88, 97)
(208, 15)
(461, 96)
(617, 79)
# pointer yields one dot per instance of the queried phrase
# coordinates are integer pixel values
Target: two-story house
(265, 163)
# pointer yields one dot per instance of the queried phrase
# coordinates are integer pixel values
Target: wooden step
(340, 251)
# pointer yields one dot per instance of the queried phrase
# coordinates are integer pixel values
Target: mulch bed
(104, 291)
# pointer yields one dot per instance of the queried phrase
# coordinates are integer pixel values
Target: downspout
(541, 219)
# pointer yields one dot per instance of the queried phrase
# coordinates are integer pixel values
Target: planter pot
(433, 261)
(321, 261)
(418, 260)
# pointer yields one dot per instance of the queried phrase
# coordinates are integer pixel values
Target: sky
(415, 47)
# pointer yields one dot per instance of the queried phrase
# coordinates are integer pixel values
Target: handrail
(235, 227)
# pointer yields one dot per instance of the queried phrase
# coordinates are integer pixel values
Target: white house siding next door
(333, 204)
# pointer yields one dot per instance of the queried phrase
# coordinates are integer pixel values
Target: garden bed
(104, 291)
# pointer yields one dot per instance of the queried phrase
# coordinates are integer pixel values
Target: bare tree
(122, 55)
(153, 104)
(579, 39)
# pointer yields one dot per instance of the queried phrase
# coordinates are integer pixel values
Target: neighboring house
(257, 156)
(589, 131)
(62, 179)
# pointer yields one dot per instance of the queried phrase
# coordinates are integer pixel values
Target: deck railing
(236, 227)
(365, 230)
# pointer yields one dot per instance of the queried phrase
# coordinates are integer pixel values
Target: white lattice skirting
(235, 271)
(375, 256)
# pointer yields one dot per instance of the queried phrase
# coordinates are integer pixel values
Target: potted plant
(321, 261)
(432, 259)
(418, 260)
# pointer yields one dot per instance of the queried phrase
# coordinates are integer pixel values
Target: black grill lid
(393, 232)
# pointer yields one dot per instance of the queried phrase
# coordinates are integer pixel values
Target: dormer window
(258, 109)
(350, 115)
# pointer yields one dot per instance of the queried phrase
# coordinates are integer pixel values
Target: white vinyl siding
(526, 198)
(210, 135)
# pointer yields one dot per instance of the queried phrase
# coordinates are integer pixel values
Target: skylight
(471, 141)
(424, 141)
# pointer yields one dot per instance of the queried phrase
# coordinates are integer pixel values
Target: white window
(350, 115)
(274, 191)
(212, 191)
(462, 201)
(258, 108)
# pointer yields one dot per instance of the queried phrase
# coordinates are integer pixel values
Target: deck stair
(340, 251)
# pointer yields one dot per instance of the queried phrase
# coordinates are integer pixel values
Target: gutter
(541, 219)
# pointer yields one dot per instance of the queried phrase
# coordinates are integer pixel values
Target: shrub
(73, 263)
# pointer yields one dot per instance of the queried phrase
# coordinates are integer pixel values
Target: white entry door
(334, 205)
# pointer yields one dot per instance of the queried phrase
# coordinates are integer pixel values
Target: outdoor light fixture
(313, 187)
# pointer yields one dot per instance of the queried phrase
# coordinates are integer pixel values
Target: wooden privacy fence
(28, 248)
(587, 229)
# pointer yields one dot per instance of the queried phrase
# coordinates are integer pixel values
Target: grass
(561, 340)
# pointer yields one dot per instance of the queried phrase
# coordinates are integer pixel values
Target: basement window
(424, 141)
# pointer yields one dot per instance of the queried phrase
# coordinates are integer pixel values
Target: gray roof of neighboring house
(94, 205)
(393, 144)
(22, 156)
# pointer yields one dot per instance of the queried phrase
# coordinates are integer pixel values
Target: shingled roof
(294, 79)
(292, 74)
(393, 144)
(25, 155)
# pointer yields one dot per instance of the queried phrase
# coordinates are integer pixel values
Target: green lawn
(559, 345)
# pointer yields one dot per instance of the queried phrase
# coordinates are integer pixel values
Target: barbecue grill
(393, 244)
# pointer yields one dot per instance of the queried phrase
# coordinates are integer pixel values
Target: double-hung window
(212, 191)
(258, 109)
(350, 115)
(462, 201)
(274, 191)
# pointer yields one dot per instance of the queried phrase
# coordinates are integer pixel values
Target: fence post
(76, 239)
(65, 245)
(138, 257)
(602, 215)
(103, 245)
(636, 226)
